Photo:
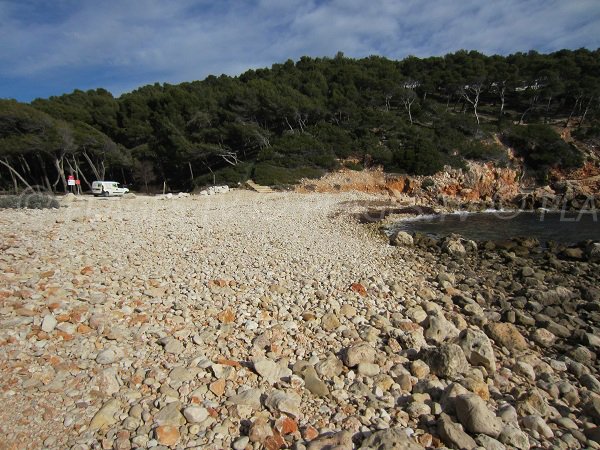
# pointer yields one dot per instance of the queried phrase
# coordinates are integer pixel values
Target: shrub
(542, 147)
(269, 175)
(30, 201)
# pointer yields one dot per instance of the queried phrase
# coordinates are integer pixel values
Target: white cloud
(188, 39)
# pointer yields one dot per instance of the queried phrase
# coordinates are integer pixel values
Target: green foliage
(269, 175)
(542, 147)
(414, 115)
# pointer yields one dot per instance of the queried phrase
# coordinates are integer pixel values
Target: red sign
(77, 182)
(71, 177)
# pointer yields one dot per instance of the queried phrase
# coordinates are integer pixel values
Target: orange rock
(228, 362)
(83, 329)
(219, 283)
(309, 433)
(4, 294)
(286, 425)
(87, 270)
(213, 412)
(226, 316)
(359, 289)
(217, 387)
(167, 435)
(24, 294)
(274, 442)
(138, 319)
(64, 336)
(47, 274)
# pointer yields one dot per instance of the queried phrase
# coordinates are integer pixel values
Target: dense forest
(299, 119)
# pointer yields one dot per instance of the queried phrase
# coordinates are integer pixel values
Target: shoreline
(251, 320)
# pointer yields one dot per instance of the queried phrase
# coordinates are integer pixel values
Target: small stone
(250, 397)
(241, 443)
(260, 430)
(105, 416)
(330, 367)
(271, 371)
(49, 323)
(167, 435)
(338, 441)
(402, 238)
(182, 374)
(313, 383)
(514, 437)
(537, 425)
(195, 414)
(285, 402)
(217, 387)
(170, 415)
(330, 322)
(358, 353)
(107, 356)
(543, 337)
(173, 346)
(368, 369)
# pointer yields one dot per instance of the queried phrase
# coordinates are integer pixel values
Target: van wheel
(105, 194)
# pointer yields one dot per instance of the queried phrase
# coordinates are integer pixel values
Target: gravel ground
(254, 321)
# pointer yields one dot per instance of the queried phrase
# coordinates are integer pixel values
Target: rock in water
(475, 416)
(402, 238)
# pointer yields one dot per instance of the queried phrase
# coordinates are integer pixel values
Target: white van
(107, 188)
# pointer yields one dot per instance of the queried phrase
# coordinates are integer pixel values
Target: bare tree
(471, 93)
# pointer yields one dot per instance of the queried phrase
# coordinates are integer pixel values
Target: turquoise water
(495, 226)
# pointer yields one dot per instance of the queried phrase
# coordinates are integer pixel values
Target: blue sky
(51, 47)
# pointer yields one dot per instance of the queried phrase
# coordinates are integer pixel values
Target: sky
(51, 47)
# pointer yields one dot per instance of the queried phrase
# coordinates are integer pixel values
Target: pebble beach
(251, 321)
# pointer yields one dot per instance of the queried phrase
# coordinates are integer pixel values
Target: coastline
(279, 320)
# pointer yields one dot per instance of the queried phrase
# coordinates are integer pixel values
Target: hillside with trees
(301, 119)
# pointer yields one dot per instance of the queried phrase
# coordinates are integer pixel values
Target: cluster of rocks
(212, 190)
(251, 322)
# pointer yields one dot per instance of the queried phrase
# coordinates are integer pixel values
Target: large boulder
(390, 439)
(447, 360)
(506, 335)
(475, 416)
(478, 349)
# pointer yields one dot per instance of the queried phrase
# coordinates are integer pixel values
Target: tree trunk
(547, 110)
(577, 100)
(44, 172)
(587, 107)
(191, 173)
(59, 167)
(92, 166)
(16, 174)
